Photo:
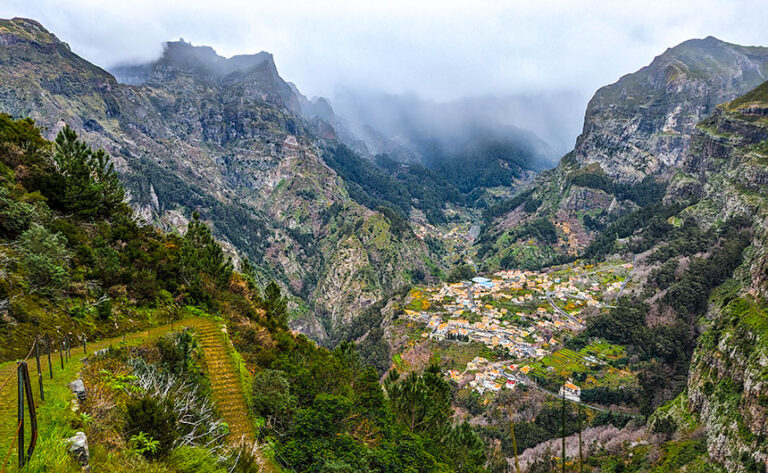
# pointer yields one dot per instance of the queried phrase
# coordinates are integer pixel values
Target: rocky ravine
(224, 137)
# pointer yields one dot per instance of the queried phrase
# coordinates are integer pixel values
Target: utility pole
(514, 446)
(563, 397)
(581, 466)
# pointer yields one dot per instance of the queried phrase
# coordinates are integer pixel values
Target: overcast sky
(439, 49)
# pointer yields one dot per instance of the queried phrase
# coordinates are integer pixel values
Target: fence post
(85, 352)
(32, 412)
(39, 371)
(61, 352)
(20, 415)
(50, 365)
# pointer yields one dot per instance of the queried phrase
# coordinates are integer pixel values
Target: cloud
(438, 49)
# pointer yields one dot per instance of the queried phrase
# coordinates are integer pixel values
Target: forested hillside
(75, 261)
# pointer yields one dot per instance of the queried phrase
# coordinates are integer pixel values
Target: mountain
(697, 310)
(224, 137)
(641, 125)
(728, 166)
(674, 182)
(636, 133)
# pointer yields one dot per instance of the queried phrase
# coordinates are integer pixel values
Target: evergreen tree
(276, 305)
(202, 255)
(91, 187)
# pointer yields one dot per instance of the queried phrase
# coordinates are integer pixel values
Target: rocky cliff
(636, 133)
(226, 137)
(728, 382)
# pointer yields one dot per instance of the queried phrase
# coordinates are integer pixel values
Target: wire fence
(26, 410)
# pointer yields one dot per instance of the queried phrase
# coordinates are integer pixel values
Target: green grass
(566, 363)
(56, 419)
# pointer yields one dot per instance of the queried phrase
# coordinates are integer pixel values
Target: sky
(439, 50)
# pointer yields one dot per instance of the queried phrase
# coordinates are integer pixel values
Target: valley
(412, 297)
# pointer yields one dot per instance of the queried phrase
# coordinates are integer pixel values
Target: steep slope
(728, 165)
(636, 132)
(223, 137)
(642, 124)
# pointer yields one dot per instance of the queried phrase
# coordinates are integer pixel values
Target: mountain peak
(204, 59)
(25, 29)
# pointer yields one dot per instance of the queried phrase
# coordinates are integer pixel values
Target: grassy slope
(55, 417)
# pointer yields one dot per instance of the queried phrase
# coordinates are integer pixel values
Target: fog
(511, 62)
(554, 117)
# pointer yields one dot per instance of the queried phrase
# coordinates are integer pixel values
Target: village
(519, 315)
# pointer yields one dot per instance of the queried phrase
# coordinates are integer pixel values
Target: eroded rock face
(638, 127)
(727, 388)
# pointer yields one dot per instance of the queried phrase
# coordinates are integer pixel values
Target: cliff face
(225, 137)
(641, 125)
(637, 128)
(728, 383)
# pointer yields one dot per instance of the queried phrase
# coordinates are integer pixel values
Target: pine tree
(276, 305)
(201, 255)
(91, 187)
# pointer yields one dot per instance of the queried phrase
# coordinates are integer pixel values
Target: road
(629, 276)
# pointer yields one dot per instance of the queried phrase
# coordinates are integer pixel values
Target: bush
(45, 257)
(186, 459)
(155, 419)
(14, 216)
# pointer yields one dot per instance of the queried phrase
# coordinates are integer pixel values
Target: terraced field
(228, 393)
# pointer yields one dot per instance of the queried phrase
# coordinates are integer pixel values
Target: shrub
(14, 216)
(156, 420)
(186, 459)
(45, 258)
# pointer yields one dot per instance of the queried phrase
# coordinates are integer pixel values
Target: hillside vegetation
(85, 266)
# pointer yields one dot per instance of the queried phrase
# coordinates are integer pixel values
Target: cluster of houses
(484, 310)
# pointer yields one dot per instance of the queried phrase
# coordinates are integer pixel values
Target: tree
(272, 399)
(466, 449)
(45, 257)
(461, 273)
(276, 305)
(201, 255)
(91, 187)
(421, 403)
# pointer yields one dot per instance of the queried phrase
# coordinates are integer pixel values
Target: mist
(461, 66)
(439, 50)
(549, 122)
